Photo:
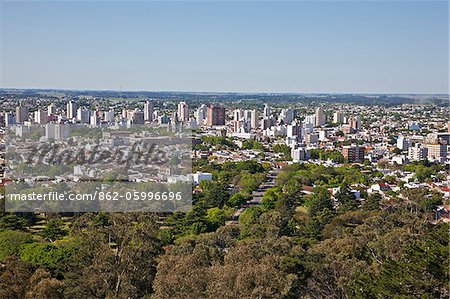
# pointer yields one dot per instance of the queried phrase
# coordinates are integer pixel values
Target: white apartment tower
(40, 117)
(254, 119)
(417, 152)
(148, 111)
(402, 143)
(320, 117)
(200, 115)
(71, 110)
(51, 109)
(338, 117)
(183, 112)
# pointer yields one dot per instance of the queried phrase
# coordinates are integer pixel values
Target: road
(257, 195)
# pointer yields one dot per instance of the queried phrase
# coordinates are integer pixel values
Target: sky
(232, 46)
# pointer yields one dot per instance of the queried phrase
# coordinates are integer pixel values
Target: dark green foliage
(324, 155)
(46, 255)
(218, 141)
(252, 144)
(372, 203)
(215, 194)
(346, 199)
(238, 199)
(53, 230)
(423, 170)
(14, 222)
(11, 241)
(270, 198)
(284, 149)
(298, 244)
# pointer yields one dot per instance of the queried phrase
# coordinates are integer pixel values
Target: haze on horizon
(301, 47)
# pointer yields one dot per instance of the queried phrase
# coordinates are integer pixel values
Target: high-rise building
(94, 120)
(10, 119)
(435, 138)
(266, 123)
(84, 115)
(320, 117)
(238, 114)
(254, 119)
(310, 119)
(125, 114)
(300, 154)
(417, 152)
(200, 115)
(323, 135)
(51, 109)
(443, 138)
(437, 152)
(163, 119)
(248, 115)
(267, 111)
(137, 117)
(287, 115)
(338, 117)
(402, 143)
(148, 111)
(294, 131)
(109, 116)
(241, 126)
(57, 131)
(71, 110)
(40, 117)
(21, 114)
(311, 138)
(353, 153)
(354, 123)
(307, 128)
(183, 112)
(215, 116)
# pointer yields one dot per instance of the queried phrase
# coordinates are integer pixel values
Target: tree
(372, 203)
(248, 218)
(248, 182)
(13, 222)
(346, 199)
(215, 218)
(116, 261)
(217, 266)
(429, 204)
(14, 276)
(43, 286)
(334, 155)
(321, 200)
(215, 193)
(11, 241)
(321, 212)
(250, 166)
(420, 270)
(269, 199)
(46, 255)
(238, 199)
(284, 149)
(53, 230)
(397, 151)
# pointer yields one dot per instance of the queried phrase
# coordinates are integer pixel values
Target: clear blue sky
(367, 47)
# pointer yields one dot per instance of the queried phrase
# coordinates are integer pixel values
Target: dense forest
(299, 243)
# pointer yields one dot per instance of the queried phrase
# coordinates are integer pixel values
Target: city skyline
(302, 47)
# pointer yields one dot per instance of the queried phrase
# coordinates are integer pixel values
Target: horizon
(225, 92)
